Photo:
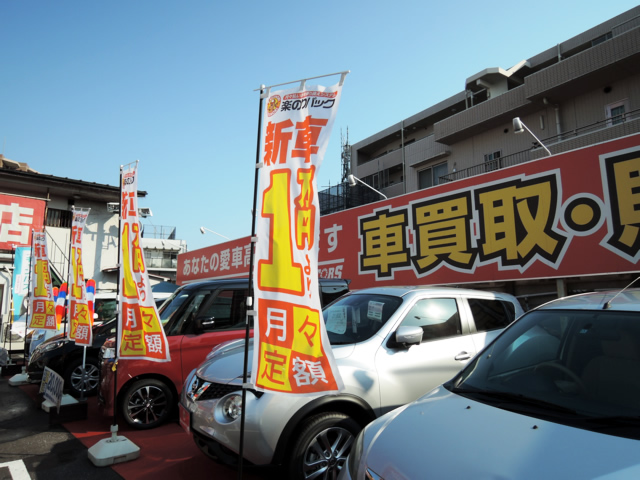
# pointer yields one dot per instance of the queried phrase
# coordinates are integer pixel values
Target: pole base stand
(20, 378)
(116, 449)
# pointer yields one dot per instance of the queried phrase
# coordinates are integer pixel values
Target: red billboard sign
(18, 217)
(572, 214)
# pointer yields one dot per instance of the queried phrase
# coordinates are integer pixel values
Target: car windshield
(578, 362)
(357, 317)
(173, 303)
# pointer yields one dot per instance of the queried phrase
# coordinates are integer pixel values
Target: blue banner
(20, 287)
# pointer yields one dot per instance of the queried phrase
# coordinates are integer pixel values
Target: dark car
(64, 357)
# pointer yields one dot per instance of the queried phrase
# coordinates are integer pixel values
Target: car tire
(147, 403)
(73, 377)
(321, 448)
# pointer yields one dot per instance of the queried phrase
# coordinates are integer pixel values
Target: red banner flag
(139, 327)
(81, 322)
(41, 301)
(292, 352)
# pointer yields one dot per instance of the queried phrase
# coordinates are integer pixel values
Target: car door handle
(463, 356)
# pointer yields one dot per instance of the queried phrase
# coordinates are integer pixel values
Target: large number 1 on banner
(279, 273)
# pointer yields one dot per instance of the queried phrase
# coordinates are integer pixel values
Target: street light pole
(204, 229)
(352, 182)
(520, 127)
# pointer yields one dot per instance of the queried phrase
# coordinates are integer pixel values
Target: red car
(196, 318)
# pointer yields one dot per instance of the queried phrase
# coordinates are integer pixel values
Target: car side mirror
(202, 324)
(407, 336)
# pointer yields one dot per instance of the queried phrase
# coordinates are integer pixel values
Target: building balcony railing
(168, 263)
(159, 232)
(593, 127)
(489, 166)
(550, 142)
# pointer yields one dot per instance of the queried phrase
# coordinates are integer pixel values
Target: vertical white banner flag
(139, 327)
(291, 349)
(42, 307)
(81, 322)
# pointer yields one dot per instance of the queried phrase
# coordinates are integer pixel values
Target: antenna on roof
(608, 304)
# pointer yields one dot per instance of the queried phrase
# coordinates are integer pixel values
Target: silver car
(556, 396)
(391, 345)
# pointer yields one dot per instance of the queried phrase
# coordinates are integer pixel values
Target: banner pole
(13, 290)
(69, 267)
(118, 448)
(30, 299)
(119, 313)
(84, 373)
(250, 306)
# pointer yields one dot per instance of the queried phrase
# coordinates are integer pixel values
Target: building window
(160, 259)
(430, 177)
(492, 161)
(615, 112)
(378, 180)
(59, 218)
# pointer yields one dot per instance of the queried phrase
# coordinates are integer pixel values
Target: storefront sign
(18, 217)
(572, 214)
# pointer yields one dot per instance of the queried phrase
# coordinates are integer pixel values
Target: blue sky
(87, 86)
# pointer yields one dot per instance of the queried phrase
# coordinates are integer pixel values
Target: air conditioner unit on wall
(113, 207)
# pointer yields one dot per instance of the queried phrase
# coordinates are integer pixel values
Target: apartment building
(577, 95)
(581, 92)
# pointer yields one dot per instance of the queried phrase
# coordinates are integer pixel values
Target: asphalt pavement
(35, 445)
(31, 445)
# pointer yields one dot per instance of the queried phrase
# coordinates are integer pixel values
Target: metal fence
(342, 196)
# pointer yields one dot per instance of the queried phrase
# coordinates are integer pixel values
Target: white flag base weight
(116, 449)
(19, 378)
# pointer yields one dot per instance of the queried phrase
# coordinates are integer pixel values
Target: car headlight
(45, 347)
(232, 406)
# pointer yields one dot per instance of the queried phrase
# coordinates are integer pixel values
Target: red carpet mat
(167, 452)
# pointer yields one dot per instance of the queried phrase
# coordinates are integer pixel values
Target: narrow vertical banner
(292, 353)
(41, 298)
(80, 329)
(20, 287)
(139, 327)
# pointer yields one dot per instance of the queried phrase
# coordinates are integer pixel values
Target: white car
(396, 344)
(555, 396)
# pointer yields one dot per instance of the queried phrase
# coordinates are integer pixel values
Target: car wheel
(79, 384)
(147, 403)
(323, 445)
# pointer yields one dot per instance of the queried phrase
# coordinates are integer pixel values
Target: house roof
(18, 178)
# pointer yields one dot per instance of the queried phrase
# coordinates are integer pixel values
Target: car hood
(227, 363)
(443, 435)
